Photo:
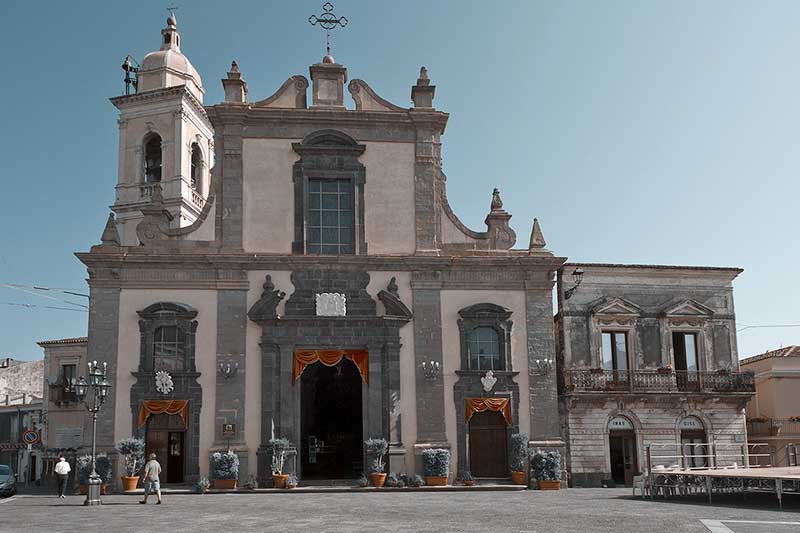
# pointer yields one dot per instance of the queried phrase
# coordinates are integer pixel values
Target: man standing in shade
(62, 470)
(151, 483)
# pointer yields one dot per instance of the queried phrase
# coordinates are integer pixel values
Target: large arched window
(485, 330)
(694, 442)
(196, 173)
(152, 159)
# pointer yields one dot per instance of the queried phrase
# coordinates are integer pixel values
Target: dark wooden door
(157, 441)
(624, 460)
(488, 447)
(175, 457)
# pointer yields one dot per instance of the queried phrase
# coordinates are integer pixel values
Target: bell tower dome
(165, 140)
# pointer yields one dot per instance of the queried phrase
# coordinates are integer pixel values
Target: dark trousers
(62, 484)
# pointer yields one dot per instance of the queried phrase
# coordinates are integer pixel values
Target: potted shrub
(376, 449)
(519, 456)
(102, 467)
(291, 481)
(466, 478)
(132, 450)
(279, 449)
(224, 469)
(546, 467)
(363, 481)
(202, 485)
(250, 484)
(436, 466)
(392, 480)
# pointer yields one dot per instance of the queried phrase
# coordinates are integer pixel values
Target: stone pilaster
(544, 419)
(428, 347)
(427, 177)
(102, 347)
(231, 187)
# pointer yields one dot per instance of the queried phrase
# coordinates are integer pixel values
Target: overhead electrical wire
(16, 304)
(769, 326)
(24, 288)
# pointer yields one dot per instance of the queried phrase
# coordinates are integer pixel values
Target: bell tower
(165, 139)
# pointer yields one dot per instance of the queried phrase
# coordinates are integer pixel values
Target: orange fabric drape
(171, 407)
(303, 358)
(479, 405)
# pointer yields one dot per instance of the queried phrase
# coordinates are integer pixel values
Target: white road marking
(717, 526)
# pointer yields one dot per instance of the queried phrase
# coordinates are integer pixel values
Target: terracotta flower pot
(436, 481)
(469, 482)
(518, 478)
(378, 479)
(279, 480)
(291, 485)
(129, 483)
(83, 489)
(549, 484)
(227, 484)
(103, 489)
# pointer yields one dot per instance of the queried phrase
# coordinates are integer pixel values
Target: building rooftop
(73, 340)
(786, 351)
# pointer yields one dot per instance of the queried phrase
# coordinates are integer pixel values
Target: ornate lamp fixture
(577, 277)
(430, 369)
(542, 366)
(99, 386)
(228, 370)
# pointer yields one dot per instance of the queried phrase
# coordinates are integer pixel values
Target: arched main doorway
(331, 421)
(622, 450)
(694, 442)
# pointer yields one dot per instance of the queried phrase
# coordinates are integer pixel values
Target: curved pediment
(688, 307)
(616, 306)
(290, 95)
(485, 310)
(368, 100)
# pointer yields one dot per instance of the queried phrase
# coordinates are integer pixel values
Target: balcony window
(614, 350)
(68, 374)
(685, 349)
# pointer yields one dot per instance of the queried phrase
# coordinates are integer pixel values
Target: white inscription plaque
(331, 304)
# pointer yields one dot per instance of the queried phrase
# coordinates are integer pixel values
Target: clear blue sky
(637, 132)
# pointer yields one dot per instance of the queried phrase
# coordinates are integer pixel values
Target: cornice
(127, 101)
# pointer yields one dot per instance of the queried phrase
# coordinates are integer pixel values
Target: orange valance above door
(479, 405)
(303, 358)
(170, 407)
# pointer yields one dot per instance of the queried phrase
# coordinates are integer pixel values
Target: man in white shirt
(62, 470)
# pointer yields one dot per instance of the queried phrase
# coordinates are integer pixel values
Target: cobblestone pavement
(574, 510)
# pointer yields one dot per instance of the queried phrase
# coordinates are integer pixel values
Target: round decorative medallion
(164, 383)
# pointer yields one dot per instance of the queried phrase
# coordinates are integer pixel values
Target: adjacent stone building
(648, 358)
(287, 265)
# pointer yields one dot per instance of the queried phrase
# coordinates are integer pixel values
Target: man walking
(62, 470)
(151, 483)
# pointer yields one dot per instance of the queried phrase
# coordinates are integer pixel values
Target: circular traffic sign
(30, 437)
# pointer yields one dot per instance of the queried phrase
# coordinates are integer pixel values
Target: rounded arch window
(484, 349)
(694, 442)
(196, 173)
(152, 159)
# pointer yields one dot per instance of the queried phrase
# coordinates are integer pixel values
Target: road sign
(30, 437)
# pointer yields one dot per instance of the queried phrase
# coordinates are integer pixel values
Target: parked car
(8, 481)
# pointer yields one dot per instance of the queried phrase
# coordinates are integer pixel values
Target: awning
(303, 358)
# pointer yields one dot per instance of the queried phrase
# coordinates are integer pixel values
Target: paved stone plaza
(575, 510)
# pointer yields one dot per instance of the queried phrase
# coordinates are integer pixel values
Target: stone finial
(537, 239)
(497, 203)
(267, 306)
(110, 234)
(235, 87)
(423, 92)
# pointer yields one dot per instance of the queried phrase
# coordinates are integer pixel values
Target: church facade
(290, 267)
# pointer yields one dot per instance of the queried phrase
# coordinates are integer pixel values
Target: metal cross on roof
(328, 21)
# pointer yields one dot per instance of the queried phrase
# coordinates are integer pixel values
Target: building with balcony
(773, 415)
(68, 427)
(20, 410)
(647, 355)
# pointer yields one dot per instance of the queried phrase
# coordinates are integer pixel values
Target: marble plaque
(331, 304)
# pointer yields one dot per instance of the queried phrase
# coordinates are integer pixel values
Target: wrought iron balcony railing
(601, 380)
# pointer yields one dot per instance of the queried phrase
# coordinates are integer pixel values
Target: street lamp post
(100, 386)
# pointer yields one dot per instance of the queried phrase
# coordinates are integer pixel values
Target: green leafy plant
(291, 481)
(377, 448)
(279, 449)
(132, 449)
(436, 462)
(251, 483)
(546, 466)
(224, 465)
(362, 481)
(391, 480)
(202, 485)
(102, 466)
(465, 475)
(519, 452)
